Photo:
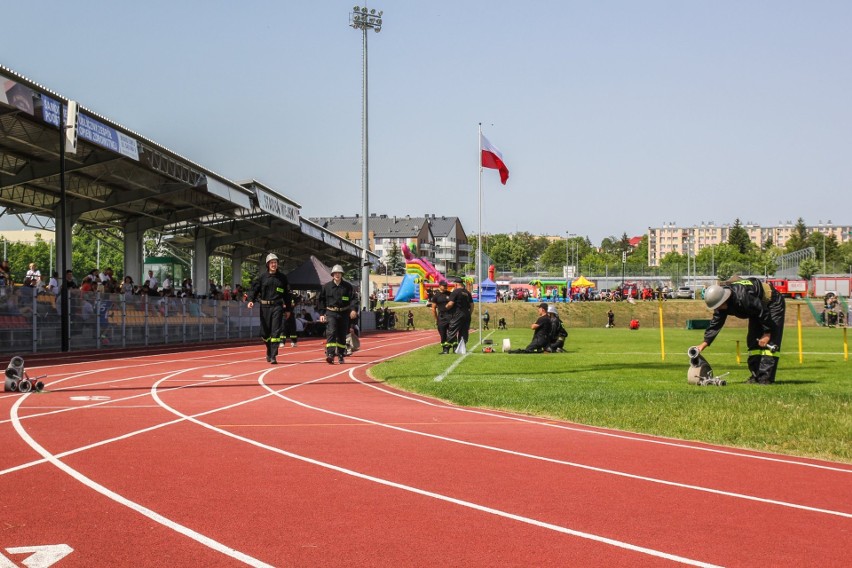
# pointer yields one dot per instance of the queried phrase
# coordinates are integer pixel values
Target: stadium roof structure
(120, 179)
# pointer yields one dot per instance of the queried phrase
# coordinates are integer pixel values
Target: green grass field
(617, 378)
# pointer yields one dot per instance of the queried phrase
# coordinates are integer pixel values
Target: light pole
(569, 260)
(567, 253)
(364, 20)
(575, 252)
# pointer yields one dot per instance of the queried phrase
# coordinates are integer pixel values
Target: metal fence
(30, 322)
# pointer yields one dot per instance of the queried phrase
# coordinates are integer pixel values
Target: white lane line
(81, 449)
(458, 361)
(142, 510)
(438, 496)
(672, 442)
(564, 462)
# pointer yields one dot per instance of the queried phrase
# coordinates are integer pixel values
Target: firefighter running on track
(337, 306)
(273, 291)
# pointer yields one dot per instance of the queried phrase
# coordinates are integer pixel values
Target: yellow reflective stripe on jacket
(763, 352)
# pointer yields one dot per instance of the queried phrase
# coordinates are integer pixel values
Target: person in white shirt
(33, 275)
(53, 284)
(152, 280)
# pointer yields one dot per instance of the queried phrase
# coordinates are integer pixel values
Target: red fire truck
(790, 288)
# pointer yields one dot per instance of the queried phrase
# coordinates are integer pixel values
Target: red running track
(216, 458)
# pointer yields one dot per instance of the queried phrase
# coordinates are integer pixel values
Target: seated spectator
(53, 284)
(127, 286)
(5, 275)
(33, 276)
(88, 284)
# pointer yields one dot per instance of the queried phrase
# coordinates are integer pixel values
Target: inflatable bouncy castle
(420, 275)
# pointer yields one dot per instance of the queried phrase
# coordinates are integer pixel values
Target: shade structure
(310, 275)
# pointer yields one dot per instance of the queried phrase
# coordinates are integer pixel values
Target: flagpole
(479, 238)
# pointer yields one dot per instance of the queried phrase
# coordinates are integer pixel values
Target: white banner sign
(276, 206)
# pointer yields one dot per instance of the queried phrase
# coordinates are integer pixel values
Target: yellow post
(799, 325)
(662, 333)
(845, 346)
(739, 361)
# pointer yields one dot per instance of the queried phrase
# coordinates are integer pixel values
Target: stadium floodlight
(360, 19)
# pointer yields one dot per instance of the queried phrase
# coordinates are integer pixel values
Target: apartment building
(685, 240)
(440, 239)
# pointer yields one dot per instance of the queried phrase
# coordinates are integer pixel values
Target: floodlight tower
(363, 19)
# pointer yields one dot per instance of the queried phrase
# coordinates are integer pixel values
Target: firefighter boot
(273, 355)
(268, 351)
(753, 367)
(767, 369)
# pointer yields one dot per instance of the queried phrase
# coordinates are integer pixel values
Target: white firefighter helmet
(553, 310)
(715, 296)
(270, 257)
(337, 268)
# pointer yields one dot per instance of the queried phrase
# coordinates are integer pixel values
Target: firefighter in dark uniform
(273, 291)
(558, 333)
(442, 315)
(764, 307)
(290, 323)
(338, 307)
(461, 308)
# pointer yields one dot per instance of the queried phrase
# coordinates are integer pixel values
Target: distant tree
(765, 262)
(807, 268)
(726, 270)
(799, 237)
(555, 255)
(823, 243)
(767, 244)
(738, 237)
(640, 253)
(610, 245)
(395, 263)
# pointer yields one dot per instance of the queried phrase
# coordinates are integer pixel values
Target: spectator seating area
(30, 322)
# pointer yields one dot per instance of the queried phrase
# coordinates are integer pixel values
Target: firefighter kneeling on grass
(764, 308)
(541, 333)
(337, 306)
(274, 292)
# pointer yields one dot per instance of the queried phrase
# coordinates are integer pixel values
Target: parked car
(685, 292)
(603, 294)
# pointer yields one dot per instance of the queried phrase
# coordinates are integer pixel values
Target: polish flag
(493, 158)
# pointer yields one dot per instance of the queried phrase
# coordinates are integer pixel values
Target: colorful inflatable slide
(420, 274)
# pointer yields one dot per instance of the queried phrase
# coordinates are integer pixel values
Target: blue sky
(612, 116)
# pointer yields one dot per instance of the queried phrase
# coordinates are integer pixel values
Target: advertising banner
(17, 95)
(91, 130)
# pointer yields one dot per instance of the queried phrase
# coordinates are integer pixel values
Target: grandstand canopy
(120, 179)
